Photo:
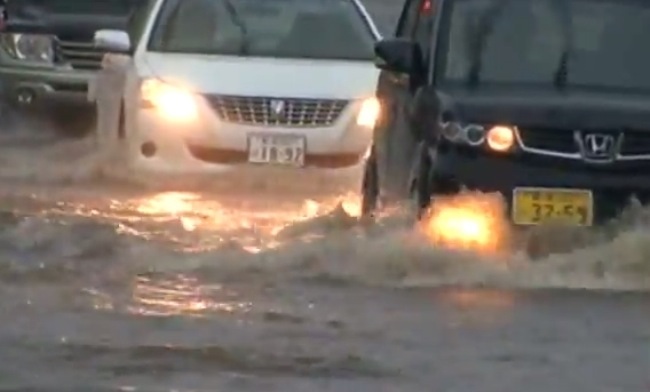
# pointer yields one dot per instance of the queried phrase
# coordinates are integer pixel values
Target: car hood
(551, 109)
(266, 77)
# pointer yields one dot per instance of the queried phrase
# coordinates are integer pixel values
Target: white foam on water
(398, 256)
(330, 246)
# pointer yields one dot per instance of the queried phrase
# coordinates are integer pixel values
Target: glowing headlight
(468, 220)
(172, 102)
(369, 113)
(500, 138)
(33, 47)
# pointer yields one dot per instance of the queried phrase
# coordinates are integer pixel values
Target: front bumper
(208, 144)
(612, 188)
(44, 87)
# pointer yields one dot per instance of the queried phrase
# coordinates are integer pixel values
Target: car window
(113, 7)
(408, 19)
(524, 41)
(317, 29)
(138, 20)
(424, 26)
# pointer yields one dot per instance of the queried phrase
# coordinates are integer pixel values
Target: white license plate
(277, 149)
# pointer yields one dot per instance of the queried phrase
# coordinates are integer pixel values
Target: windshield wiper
(562, 71)
(234, 16)
(478, 39)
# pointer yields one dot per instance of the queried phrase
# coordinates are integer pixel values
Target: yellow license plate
(533, 206)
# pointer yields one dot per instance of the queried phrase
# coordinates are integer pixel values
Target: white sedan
(204, 85)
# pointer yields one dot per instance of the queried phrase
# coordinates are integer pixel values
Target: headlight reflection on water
(181, 296)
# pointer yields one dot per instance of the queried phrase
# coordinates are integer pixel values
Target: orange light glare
(500, 138)
(467, 221)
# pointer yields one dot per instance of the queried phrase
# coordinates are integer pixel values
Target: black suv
(545, 101)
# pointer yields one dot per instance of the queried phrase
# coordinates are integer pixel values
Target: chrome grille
(549, 139)
(296, 112)
(635, 143)
(81, 55)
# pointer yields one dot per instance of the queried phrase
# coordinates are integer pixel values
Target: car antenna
(477, 41)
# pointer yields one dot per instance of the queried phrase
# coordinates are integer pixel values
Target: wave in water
(330, 248)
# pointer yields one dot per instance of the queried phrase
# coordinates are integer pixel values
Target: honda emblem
(598, 146)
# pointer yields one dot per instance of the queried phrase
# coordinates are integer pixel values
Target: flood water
(110, 286)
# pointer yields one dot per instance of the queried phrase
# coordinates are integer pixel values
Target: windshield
(76, 7)
(590, 43)
(318, 29)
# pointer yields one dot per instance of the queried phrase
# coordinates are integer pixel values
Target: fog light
(474, 135)
(468, 220)
(501, 138)
(148, 149)
(451, 131)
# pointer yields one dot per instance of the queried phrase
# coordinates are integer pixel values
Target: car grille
(636, 143)
(554, 140)
(562, 141)
(296, 112)
(80, 55)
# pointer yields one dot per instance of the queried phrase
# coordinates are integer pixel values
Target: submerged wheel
(73, 123)
(421, 184)
(370, 187)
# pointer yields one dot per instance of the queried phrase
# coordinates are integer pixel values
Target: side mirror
(113, 41)
(398, 55)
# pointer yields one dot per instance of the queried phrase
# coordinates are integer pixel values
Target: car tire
(421, 182)
(425, 186)
(73, 123)
(370, 186)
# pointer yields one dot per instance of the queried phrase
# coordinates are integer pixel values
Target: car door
(393, 141)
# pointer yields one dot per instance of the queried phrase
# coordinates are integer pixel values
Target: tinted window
(524, 41)
(409, 18)
(138, 20)
(324, 29)
(422, 33)
(106, 7)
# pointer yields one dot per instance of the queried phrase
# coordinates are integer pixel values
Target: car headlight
(172, 102)
(369, 113)
(498, 138)
(33, 47)
(472, 134)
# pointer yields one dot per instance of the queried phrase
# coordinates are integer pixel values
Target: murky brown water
(110, 286)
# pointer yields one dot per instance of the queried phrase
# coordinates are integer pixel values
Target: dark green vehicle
(544, 101)
(47, 56)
